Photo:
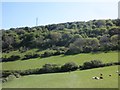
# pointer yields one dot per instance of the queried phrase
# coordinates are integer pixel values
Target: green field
(61, 59)
(76, 79)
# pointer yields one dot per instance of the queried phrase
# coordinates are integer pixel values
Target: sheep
(110, 75)
(117, 71)
(97, 78)
(93, 77)
(101, 74)
(101, 77)
(119, 74)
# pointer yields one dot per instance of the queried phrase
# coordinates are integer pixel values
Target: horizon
(22, 14)
(57, 23)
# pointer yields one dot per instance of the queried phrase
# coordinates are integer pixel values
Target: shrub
(6, 73)
(11, 77)
(29, 72)
(70, 66)
(15, 57)
(59, 52)
(47, 54)
(74, 50)
(91, 64)
(17, 75)
(31, 55)
(11, 58)
(49, 68)
(116, 63)
(4, 80)
(87, 49)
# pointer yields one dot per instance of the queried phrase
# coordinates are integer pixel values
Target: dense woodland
(65, 38)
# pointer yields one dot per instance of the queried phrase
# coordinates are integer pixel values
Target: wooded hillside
(67, 38)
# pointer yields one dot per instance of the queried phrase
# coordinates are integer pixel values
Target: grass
(78, 59)
(76, 79)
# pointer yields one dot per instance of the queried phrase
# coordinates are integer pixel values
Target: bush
(11, 58)
(11, 77)
(70, 66)
(47, 54)
(31, 55)
(4, 80)
(17, 75)
(87, 49)
(116, 63)
(73, 51)
(59, 52)
(91, 64)
(50, 68)
(30, 71)
(6, 73)
(27, 72)
(15, 57)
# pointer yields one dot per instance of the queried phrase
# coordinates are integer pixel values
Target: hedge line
(54, 68)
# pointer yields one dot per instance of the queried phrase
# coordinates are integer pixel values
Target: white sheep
(117, 71)
(97, 78)
(93, 77)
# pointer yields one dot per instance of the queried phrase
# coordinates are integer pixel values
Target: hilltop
(64, 38)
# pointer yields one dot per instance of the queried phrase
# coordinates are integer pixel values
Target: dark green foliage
(6, 73)
(47, 54)
(15, 57)
(91, 64)
(31, 55)
(75, 37)
(11, 58)
(17, 75)
(53, 68)
(96, 64)
(50, 68)
(70, 66)
(4, 80)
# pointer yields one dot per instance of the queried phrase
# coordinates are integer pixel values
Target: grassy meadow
(76, 79)
(61, 59)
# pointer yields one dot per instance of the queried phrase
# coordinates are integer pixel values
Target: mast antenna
(37, 21)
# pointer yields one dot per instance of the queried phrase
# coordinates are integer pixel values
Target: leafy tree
(105, 43)
(115, 42)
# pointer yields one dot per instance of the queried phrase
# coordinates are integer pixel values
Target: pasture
(61, 59)
(76, 79)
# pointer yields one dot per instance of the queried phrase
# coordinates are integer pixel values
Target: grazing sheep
(101, 74)
(110, 75)
(101, 77)
(93, 77)
(117, 71)
(96, 78)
